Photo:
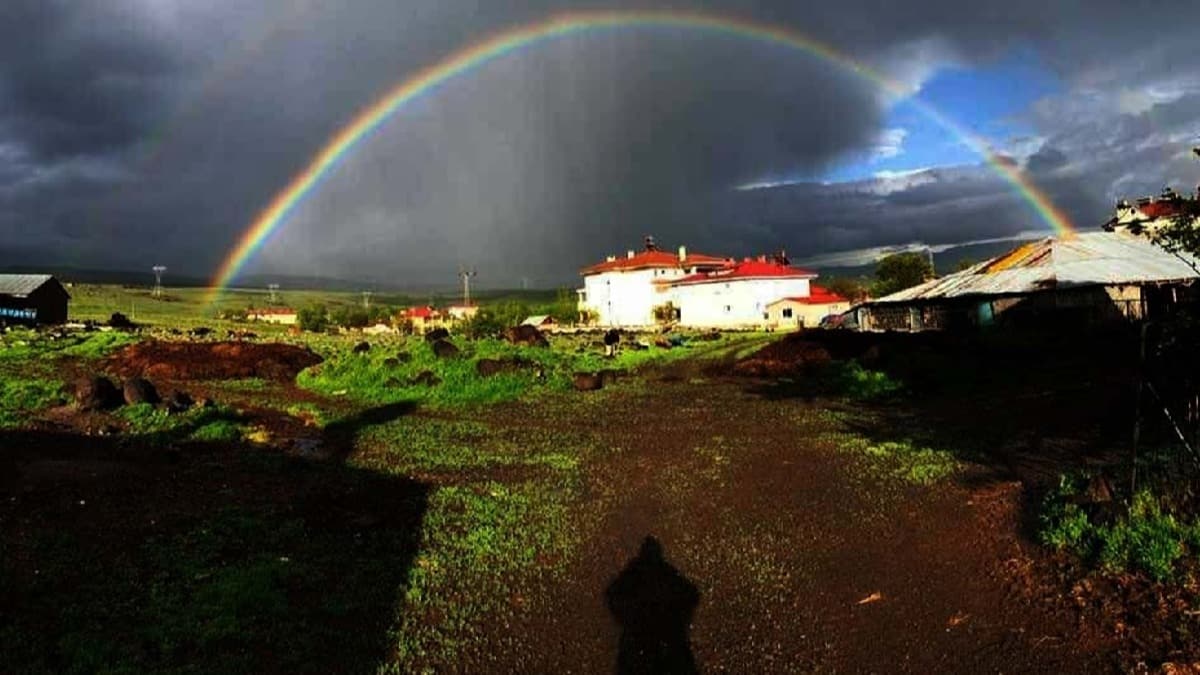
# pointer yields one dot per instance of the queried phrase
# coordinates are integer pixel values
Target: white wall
(737, 302)
(803, 314)
(627, 298)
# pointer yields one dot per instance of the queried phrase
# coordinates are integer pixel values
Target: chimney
(682, 253)
(629, 254)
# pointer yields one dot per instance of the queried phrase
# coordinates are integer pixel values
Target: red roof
(652, 259)
(420, 313)
(818, 295)
(748, 269)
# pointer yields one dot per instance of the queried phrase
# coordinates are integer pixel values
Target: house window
(728, 309)
(766, 315)
(787, 312)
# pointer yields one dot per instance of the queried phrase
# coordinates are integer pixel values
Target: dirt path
(802, 561)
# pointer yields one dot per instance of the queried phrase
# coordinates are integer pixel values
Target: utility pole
(466, 277)
(367, 299)
(158, 272)
(273, 288)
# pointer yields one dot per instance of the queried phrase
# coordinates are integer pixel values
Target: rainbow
(562, 25)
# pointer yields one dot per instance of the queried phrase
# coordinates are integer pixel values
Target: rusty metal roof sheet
(1087, 259)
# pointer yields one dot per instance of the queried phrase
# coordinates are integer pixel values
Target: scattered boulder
(119, 320)
(443, 349)
(404, 357)
(139, 390)
(200, 331)
(179, 401)
(427, 378)
(611, 375)
(529, 336)
(362, 348)
(638, 346)
(1099, 491)
(587, 381)
(490, 367)
(437, 334)
(96, 393)
(391, 362)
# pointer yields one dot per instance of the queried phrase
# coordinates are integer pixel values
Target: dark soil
(211, 360)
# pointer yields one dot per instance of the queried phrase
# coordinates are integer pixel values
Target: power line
(466, 277)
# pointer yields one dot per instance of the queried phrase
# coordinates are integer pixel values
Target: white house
(623, 291)
(805, 311)
(738, 294)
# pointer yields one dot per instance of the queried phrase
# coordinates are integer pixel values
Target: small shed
(805, 311)
(542, 321)
(32, 299)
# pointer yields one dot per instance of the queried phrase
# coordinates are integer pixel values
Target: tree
(1180, 235)
(565, 307)
(665, 313)
(899, 271)
(854, 290)
(314, 318)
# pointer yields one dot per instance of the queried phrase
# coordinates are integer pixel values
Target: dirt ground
(724, 531)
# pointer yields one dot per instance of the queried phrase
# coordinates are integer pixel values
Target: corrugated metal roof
(21, 285)
(1088, 259)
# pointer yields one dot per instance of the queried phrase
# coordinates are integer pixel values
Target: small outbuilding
(540, 321)
(805, 311)
(32, 300)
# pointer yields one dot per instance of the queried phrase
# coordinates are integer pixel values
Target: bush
(850, 379)
(1147, 538)
(313, 318)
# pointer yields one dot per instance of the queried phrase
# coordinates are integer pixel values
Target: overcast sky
(136, 132)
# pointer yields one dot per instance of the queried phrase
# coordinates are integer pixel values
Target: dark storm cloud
(166, 127)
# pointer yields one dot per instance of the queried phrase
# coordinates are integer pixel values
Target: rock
(610, 375)
(139, 390)
(96, 393)
(490, 367)
(529, 336)
(587, 381)
(437, 334)
(444, 349)
(362, 348)
(427, 378)
(638, 346)
(404, 357)
(391, 362)
(1099, 491)
(200, 331)
(179, 401)
(119, 320)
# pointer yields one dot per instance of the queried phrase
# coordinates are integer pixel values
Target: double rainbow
(562, 25)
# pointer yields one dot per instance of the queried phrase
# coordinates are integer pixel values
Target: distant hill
(945, 262)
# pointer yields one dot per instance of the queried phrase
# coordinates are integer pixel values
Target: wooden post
(1137, 411)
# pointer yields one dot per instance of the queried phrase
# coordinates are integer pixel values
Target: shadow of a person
(653, 603)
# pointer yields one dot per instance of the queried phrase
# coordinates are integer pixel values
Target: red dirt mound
(784, 357)
(211, 360)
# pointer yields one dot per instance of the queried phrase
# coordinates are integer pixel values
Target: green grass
(850, 379)
(902, 460)
(367, 379)
(24, 345)
(1147, 538)
(483, 545)
(212, 424)
(21, 396)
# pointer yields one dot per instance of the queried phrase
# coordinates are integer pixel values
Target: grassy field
(186, 307)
